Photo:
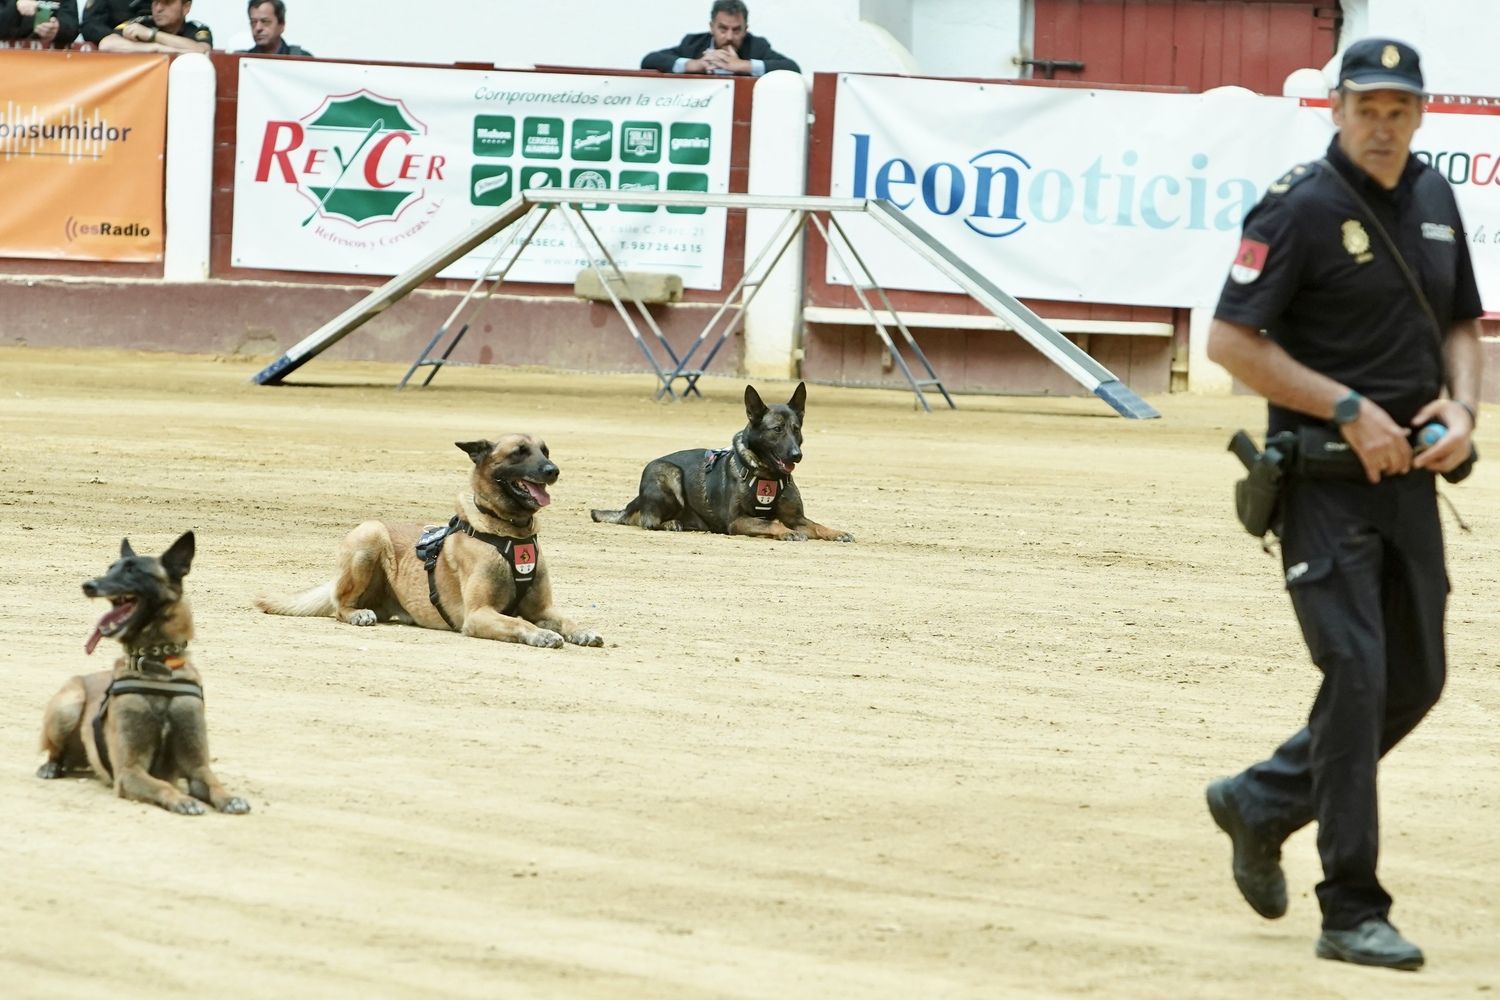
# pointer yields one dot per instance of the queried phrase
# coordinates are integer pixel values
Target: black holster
(1257, 497)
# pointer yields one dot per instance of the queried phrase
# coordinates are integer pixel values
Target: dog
(482, 574)
(140, 726)
(745, 489)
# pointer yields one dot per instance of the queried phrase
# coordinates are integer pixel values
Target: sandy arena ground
(962, 757)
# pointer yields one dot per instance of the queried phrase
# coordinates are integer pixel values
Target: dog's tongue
(788, 466)
(538, 492)
(111, 618)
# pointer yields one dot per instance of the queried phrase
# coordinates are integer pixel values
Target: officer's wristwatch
(1346, 410)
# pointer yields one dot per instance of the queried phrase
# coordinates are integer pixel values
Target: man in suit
(726, 49)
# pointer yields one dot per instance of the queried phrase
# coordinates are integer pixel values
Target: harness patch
(766, 492)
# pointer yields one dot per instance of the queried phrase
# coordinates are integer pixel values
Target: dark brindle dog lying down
(140, 726)
(482, 574)
(745, 489)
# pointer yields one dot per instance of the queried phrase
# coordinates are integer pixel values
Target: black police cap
(1381, 64)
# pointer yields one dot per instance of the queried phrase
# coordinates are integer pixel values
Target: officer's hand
(1453, 447)
(47, 32)
(1379, 441)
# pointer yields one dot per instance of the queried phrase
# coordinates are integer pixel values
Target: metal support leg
(607, 283)
(495, 277)
(880, 330)
(780, 240)
(885, 300)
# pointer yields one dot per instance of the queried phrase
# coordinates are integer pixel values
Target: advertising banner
(82, 142)
(1110, 196)
(1066, 194)
(1462, 142)
(353, 169)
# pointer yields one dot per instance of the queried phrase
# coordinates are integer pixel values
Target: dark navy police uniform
(1364, 563)
(106, 17)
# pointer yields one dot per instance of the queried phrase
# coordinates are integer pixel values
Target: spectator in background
(267, 22)
(19, 20)
(145, 26)
(727, 48)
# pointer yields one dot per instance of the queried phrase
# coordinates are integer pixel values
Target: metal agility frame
(525, 214)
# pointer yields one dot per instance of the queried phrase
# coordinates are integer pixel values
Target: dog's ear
(477, 449)
(799, 398)
(179, 557)
(125, 550)
(754, 407)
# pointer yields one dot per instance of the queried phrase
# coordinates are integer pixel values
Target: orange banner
(82, 143)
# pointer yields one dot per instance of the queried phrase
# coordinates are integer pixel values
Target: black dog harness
(139, 685)
(763, 502)
(521, 554)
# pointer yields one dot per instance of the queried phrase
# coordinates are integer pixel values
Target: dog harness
(763, 502)
(138, 685)
(521, 554)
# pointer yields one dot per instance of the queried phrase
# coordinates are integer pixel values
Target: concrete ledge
(650, 287)
(958, 321)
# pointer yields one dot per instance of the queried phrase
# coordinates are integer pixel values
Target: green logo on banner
(359, 127)
(542, 139)
(640, 142)
(593, 139)
(540, 177)
(588, 177)
(690, 143)
(491, 184)
(687, 182)
(639, 180)
(494, 135)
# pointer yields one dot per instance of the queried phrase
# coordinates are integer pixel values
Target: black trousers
(1365, 572)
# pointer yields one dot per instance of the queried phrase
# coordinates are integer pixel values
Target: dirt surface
(961, 757)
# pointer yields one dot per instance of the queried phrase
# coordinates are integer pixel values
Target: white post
(190, 167)
(778, 166)
(1204, 377)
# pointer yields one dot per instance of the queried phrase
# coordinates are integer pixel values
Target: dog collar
(518, 525)
(165, 657)
(752, 463)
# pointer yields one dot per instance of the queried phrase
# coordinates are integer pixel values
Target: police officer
(1348, 343)
(18, 20)
(145, 26)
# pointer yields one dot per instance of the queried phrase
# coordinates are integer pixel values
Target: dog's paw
(843, 537)
(794, 536)
(546, 638)
(187, 807)
(51, 769)
(585, 638)
(235, 806)
(363, 616)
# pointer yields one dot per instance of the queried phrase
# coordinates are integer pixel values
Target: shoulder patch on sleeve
(1292, 178)
(1249, 261)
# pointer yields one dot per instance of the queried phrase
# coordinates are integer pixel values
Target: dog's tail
(630, 515)
(315, 603)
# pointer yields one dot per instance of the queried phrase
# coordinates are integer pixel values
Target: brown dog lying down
(140, 726)
(482, 574)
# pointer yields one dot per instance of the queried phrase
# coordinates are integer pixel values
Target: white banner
(354, 169)
(1463, 144)
(1066, 194)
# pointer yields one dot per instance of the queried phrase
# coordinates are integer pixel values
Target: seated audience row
(137, 25)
